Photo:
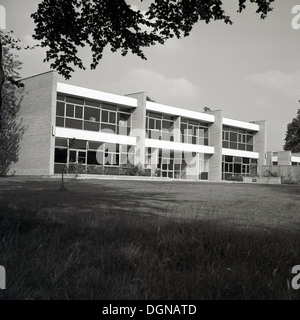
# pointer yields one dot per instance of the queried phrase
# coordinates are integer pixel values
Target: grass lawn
(113, 239)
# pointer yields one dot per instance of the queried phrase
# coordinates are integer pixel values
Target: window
(194, 132)
(61, 155)
(238, 166)
(159, 126)
(91, 115)
(238, 139)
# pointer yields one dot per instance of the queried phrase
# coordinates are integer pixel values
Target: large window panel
(60, 109)
(61, 155)
(70, 110)
(91, 114)
(74, 100)
(91, 126)
(60, 122)
(74, 124)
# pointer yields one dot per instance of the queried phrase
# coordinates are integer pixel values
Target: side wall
(215, 140)
(260, 145)
(138, 127)
(36, 155)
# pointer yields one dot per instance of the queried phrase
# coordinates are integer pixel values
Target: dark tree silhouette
(292, 139)
(11, 127)
(64, 25)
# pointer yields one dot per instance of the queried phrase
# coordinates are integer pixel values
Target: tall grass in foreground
(113, 255)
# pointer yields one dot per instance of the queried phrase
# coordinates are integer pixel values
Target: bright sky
(250, 70)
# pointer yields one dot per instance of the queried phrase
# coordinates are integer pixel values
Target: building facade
(283, 158)
(70, 126)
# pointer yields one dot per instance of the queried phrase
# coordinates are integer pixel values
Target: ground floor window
(237, 167)
(84, 156)
(175, 164)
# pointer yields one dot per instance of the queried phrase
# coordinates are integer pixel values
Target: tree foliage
(292, 139)
(11, 129)
(63, 26)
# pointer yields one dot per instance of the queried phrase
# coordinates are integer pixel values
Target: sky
(250, 69)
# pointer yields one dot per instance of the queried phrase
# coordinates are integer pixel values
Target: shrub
(235, 178)
(93, 169)
(270, 173)
(76, 168)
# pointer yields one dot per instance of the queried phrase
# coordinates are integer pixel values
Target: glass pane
(91, 126)
(81, 157)
(75, 100)
(108, 106)
(151, 123)
(72, 156)
(93, 145)
(91, 114)
(233, 137)
(60, 97)
(72, 123)
(77, 144)
(70, 110)
(233, 145)
(104, 116)
(125, 110)
(155, 115)
(78, 112)
(109, 128)
(249, 147)
(60, 142)
(112, 117)
(60, 109)
(166, 125)
(122, 117)
(228, 159)
(92, 103)
(60, 155)
(60, 122)
(242, 146)
(91, 158)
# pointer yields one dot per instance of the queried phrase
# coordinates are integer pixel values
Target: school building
(94, 131)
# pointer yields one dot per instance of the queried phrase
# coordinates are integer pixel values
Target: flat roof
(96, 95)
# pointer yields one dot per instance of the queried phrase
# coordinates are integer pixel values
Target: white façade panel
(240, 124)
(169, 145)
(240, 153)
(96, 95)
(160, 108)
(94, 136)
(295, 159)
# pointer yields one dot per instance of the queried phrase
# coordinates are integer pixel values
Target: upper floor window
(239, 139)
(159, 126)
(194, 132)
(85, 114)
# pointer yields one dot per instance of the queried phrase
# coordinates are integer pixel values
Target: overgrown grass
(108, 255)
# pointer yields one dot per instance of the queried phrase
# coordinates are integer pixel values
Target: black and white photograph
(149, 153)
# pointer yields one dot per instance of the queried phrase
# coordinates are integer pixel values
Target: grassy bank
(107, 255)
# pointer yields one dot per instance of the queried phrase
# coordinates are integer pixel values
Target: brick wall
(260, 145)
(37, 110)
(215, 140)
(138, 126)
